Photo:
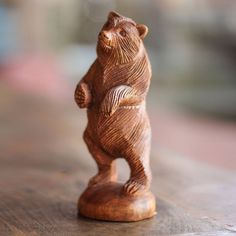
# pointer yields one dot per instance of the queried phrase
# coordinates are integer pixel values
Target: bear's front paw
(83, 95)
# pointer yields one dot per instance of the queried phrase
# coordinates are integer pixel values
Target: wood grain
(44, 166)
(114, 92)
(107, 202)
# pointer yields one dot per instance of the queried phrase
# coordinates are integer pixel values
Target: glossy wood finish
(114, 92)
(108, 202)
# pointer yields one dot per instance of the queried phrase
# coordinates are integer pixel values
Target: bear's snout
(105, 37)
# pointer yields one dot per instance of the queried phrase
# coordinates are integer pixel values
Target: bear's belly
(124, 128)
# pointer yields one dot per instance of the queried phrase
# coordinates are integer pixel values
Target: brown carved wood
(114, 91)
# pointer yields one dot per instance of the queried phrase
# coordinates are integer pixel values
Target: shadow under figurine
(114, 91)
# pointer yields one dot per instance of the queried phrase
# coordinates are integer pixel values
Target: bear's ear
(113, 14)
(143, 30)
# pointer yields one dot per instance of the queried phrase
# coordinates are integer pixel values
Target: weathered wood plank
(44, 167)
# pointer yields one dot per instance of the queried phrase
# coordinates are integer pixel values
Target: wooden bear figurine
(114, 91)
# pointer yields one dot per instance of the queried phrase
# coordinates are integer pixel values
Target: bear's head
(120, 39)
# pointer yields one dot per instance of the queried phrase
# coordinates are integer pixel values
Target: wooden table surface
(44, 167)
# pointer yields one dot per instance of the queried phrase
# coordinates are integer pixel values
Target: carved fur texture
(114, 91)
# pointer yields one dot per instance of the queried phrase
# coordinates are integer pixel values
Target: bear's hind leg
(140, 176)
(106, 164)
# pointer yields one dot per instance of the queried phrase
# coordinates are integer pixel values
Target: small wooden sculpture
(114, 91)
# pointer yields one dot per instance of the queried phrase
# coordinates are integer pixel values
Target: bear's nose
(105, 34)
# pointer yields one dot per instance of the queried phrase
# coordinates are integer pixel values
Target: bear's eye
(122, 33)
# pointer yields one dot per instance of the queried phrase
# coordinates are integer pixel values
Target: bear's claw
(133, 187)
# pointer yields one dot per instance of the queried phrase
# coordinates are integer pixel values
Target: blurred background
(47, 46)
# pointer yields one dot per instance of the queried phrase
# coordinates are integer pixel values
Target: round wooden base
(107, 202)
